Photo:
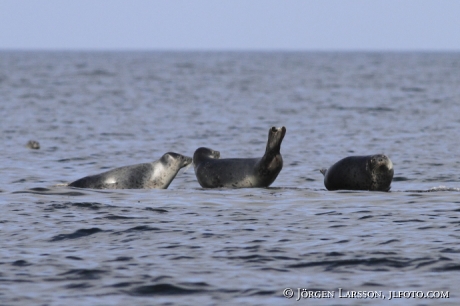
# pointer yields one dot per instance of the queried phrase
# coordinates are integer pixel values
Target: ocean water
(94, 111)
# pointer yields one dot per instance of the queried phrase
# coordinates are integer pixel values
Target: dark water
(186, 245)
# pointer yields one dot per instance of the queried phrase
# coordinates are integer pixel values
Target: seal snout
(385, 163)
(275, 129)
(187, 160)
(389, 165)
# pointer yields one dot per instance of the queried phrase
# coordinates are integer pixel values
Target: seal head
(32, 144)
(202, 154)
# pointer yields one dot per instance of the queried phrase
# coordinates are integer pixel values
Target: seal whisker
(187, 167)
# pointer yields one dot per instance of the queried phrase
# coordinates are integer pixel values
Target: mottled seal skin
(156, 175)
(373, 172)
(212, 172)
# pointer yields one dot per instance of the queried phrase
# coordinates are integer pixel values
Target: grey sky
(230, 24)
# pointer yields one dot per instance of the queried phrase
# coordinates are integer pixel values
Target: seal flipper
(323, 171)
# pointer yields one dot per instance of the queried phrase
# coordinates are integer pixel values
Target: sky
(291, 25)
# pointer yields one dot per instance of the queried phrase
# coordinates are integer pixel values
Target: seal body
(212, 172)
(156, 175)
(373, 172)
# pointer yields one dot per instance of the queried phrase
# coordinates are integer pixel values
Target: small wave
(363, 109)
(448, 268)
(389, 241)
(98, 73)
(117, 134)
(121, 258)
(81, 274)
(67, 205)
(168, 289)
(19, 181)
(400, 179)
(124, 284)
(140, 228)
(413, 89)
(378, 263)
(116, 217)
(90, 205)
(255, 292)
(21, 263)
(436, 189)
(74, 257)
(46, 191)
(78, 286)
(158, 210)
(444, 188)
(449, 250)
(65, 160)
(77, 234)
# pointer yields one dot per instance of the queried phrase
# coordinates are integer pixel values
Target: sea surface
(94, 111)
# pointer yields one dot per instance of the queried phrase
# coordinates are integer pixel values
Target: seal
(32, 144)
(373, 172)
(156, 175)
(212, 172)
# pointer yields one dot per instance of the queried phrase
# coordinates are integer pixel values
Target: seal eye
(274, 129)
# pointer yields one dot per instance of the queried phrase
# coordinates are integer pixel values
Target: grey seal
(372, 172)
(212, 172)
(155, 175)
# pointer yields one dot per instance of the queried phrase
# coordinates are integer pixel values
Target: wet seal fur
(212, 172)
(373, 172)
(156, 175)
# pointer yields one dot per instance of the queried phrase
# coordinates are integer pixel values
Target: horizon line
(255, 50)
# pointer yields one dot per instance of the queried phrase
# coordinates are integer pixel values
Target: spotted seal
(156, 175)
(212, 172)
(373, 172)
